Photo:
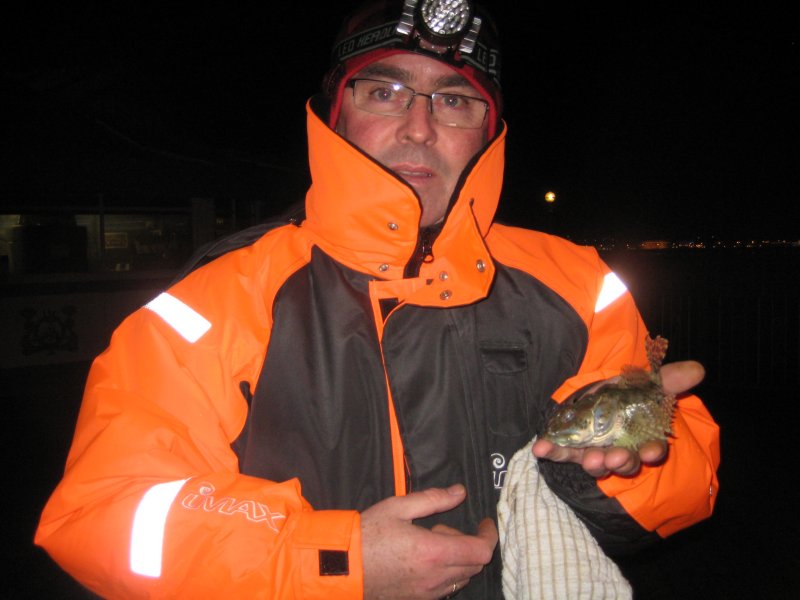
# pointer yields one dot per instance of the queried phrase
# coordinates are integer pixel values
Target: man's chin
(431, 216)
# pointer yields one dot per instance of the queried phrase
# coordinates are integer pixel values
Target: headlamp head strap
(449, 30)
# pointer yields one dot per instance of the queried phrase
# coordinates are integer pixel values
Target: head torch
(451, 30)
(440, 25)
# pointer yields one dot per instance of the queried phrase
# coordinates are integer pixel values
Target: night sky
(672, 121)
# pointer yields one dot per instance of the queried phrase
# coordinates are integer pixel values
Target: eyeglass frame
(414, 93)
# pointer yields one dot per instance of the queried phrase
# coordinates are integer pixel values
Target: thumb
(429, 502)
(679, 377)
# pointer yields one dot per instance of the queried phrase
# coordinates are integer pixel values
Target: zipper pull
(423, 252)
(427, 247)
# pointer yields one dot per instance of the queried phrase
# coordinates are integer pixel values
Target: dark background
(673, 121)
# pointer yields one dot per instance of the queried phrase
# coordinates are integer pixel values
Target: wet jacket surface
(236, 424)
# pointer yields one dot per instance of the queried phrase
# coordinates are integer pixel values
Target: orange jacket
(170, 489)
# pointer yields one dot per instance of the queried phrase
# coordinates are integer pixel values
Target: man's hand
(403, 560)
(677, 378)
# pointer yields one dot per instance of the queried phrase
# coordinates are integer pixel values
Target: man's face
(428, 156)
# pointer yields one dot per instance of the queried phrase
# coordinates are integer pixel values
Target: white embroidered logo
(252, 510)
(499, 470)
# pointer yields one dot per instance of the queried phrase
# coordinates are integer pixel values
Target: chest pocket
(506, 388)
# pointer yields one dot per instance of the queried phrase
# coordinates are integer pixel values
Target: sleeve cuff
(328, 546)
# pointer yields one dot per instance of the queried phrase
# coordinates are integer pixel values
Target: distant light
(550, 197)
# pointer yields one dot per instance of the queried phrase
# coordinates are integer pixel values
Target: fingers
(469, 554)
(463, 549)
(445, 530)
(600, 462)
(621, 462)
(470, 551)
(550, 451)
(594, 462)
(404, 560)
(626, 463)
(679, 377)
(417, 505)
(455, 586)
(487, 531)
(652, 453)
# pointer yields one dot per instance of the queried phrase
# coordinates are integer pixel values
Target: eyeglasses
(394, 99)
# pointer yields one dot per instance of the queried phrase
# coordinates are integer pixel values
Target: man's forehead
(410, 72)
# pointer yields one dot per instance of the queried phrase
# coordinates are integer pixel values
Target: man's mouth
(412, 172)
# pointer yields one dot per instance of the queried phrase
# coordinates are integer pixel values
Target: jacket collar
(368, 219)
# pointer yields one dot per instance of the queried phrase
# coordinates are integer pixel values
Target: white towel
(548, 553)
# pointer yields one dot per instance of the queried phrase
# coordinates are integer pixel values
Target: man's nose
(418, 123)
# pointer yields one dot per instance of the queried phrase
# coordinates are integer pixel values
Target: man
(327, 411)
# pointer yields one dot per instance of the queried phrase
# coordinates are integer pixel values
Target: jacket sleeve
(625, 512)
(152, 504)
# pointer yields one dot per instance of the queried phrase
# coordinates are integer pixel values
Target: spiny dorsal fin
(656, 351)
(668, 406)
(635, 376)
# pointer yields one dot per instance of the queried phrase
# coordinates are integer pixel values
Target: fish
(627, 411)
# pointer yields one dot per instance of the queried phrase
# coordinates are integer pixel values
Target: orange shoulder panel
(152, 502)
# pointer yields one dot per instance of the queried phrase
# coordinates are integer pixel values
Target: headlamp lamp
(440, 25)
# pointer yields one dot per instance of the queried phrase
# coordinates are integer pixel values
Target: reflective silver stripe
(183, 319)
(613, 288)
(147, 534)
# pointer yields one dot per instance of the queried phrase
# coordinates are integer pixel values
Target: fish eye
(601, 424)
(603, 418)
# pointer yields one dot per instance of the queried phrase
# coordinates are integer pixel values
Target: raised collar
(368, 219)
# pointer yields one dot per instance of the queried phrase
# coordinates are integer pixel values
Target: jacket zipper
(423, 252)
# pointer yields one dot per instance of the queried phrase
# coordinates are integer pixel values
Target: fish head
(591, 420)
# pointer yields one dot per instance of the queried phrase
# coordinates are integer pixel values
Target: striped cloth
(547, 551)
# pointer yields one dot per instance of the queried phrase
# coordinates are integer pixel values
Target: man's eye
(382, 94)
(454, 102)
